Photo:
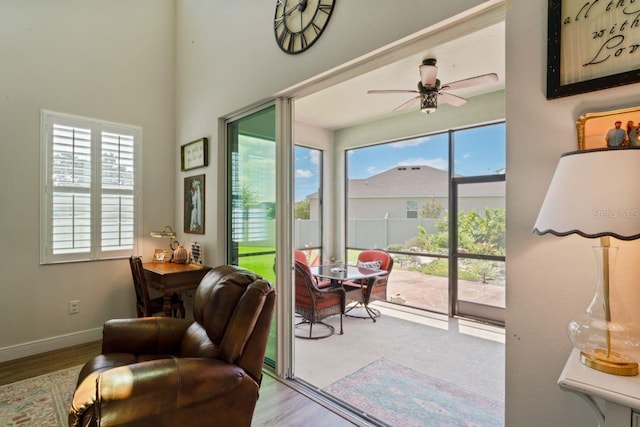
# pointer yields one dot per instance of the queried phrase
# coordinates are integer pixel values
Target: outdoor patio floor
(463, 352)
(432, 292)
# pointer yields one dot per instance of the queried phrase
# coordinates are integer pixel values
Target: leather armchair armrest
(125, 394)
(147, 335)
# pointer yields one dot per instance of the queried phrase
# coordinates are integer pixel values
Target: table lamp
(167, 233)
(162, 255)
(595, 194)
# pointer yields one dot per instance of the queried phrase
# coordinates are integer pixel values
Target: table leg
(166, 304)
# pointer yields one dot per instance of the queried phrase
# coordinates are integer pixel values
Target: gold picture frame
(590, 46)
(195, 154)
(593, 127)
(161, 255)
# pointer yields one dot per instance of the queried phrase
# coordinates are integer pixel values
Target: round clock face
(299, 23)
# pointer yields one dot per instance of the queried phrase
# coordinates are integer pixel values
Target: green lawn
(262, 265)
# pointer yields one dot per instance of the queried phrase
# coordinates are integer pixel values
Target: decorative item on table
(180, 255)
(162, 255)
(197, 254)
(586, 197)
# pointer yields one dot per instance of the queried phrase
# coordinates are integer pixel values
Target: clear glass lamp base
(607, 343)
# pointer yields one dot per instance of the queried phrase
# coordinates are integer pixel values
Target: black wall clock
(299, 23)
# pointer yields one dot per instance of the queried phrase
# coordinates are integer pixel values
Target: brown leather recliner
(161, 371)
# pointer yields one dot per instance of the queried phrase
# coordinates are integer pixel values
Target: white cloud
(372, 170)
(301, 173)
(409, 142)
(315, 157)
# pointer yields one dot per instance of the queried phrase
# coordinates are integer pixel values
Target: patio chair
(372, 289)
(315, 301)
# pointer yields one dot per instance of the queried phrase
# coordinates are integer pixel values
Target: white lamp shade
(594, 193)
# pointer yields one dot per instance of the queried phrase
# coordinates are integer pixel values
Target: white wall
(550, 280)
(106, 59)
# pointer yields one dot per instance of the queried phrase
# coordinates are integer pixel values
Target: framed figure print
(194, 204)
(592, 45)
(194, 154)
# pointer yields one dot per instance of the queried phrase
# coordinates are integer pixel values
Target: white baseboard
(53, 343)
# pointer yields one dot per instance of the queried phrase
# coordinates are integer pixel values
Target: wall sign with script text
(194, 154)
(592, 45)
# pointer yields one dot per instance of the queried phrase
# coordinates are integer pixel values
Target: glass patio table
(338, 273)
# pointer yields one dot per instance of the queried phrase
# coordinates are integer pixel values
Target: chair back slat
(143, 303)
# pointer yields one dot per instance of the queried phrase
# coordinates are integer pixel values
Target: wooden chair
(372, 289)
(145, 306)
(315, 301)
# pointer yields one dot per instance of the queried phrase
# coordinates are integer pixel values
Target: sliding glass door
(478, 219)
(251, 196)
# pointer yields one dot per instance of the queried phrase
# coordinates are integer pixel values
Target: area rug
(38, 401)
(401, 396)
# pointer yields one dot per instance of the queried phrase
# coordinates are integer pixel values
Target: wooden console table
(620, 395)
(169, 278)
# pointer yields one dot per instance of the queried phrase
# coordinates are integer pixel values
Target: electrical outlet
(74, 306)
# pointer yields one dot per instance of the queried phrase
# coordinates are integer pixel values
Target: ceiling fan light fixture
(428, 72)
(429, 102)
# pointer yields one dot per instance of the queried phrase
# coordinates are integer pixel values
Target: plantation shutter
(118, 178)
(89, 204)
(71, 190)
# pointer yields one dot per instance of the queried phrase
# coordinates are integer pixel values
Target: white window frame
(95, 251)
(412, 207)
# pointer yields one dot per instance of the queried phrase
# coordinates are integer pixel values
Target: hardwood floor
(44, 363)
(278, 405)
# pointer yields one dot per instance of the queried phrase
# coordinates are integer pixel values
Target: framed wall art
(592, 45)
(194, 204)
(594, 128)
(195, 154)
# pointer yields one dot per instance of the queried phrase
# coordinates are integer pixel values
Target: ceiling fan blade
(451, 99)
(392, 91)
(472, 81)
(407, 103)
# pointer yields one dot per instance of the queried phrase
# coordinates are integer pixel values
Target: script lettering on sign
(598, 38)
(194, 154)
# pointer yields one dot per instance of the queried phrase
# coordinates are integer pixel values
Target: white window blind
(89, 187)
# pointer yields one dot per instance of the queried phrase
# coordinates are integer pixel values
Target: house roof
(415, 181)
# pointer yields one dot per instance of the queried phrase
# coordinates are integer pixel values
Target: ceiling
(347, 103)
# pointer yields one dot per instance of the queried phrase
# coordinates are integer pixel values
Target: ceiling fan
(430, 91)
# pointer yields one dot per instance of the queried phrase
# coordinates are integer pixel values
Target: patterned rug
(401, 396)
(39, 401)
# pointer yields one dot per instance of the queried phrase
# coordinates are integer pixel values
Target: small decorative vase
(180, 255)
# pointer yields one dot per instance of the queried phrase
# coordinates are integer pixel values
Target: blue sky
(478, 151)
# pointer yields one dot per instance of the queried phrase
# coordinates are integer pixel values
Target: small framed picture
(161, 255)
(195, 154)
(194, 204)
(609, 129)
